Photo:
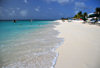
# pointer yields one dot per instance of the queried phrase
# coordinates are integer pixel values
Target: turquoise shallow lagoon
(26, 44)
(9, 29)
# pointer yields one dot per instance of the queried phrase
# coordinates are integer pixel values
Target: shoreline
(58, 45)
(81, 45)
(39, 51)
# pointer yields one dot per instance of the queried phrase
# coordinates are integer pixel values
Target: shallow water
(28, 44)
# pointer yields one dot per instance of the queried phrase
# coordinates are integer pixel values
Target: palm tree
(97, 10)
(80, 14)
(98, 14)
(75, 16)
(85, 14)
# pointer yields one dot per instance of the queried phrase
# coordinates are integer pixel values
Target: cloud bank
(37, 9)
(25, 1)
(23, 13)
(60, 1)
(79, 4)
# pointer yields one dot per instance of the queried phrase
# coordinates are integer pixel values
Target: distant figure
(84, 19)
(31, 20)
(14, 21)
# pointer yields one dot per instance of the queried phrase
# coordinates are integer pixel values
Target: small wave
(34, 49)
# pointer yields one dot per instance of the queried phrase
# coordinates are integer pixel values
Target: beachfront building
(94, 17)
(96, 13)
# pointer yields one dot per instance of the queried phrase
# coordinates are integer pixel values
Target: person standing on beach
(14, 21)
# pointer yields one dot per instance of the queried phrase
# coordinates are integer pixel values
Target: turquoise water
(26, 44)
(10, 30)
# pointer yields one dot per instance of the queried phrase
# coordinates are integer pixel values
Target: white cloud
(37, 9)
(13, 11)
(23, 13)
(25, 1)
(60, 1)
(18, 8)
(79, 4)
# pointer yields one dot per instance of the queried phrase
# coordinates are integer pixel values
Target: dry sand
(81, 47)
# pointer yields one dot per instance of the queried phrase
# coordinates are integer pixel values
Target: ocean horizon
(28, 19)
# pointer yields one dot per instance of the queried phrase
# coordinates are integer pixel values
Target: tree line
(80, 15)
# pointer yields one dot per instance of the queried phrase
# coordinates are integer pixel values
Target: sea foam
(31, 49)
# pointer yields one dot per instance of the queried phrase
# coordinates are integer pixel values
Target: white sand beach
(81, 47)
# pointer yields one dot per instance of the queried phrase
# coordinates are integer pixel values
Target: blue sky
(45, 9)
